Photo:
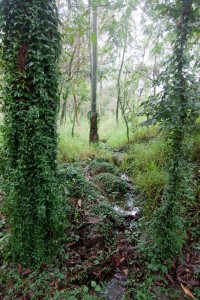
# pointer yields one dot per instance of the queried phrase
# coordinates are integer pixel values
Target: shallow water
(116, 288)
(128, 208)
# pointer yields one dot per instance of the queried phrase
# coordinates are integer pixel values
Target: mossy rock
(111, 184)
(72, 178)
(102, 166)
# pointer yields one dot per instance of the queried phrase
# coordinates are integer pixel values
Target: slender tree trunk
(119, 83)
(76, 110)
(89, 41)
(154, 74)
(93, 118)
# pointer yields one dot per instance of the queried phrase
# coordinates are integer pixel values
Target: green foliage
(45, 285)
(145, 164)
(105, 209)
(111, 184)
(176, 110)
(31, 46)
(73, 179)
(76, 148)
(99, 165)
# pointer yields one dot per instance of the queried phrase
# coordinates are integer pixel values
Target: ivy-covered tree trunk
(168, 223)
(31, 46)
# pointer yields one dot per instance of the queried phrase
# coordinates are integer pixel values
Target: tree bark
(93, 118)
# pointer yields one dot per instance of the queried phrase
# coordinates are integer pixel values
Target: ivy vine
(176, 111)
(31, 47)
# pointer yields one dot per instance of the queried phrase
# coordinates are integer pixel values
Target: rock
(115, 291)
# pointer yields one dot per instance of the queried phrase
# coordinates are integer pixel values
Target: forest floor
(100, 258)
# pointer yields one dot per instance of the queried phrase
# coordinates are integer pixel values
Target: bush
(111, 184)
(72, 178)
(100, 165)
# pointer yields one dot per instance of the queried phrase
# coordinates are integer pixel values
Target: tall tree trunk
(169, 218)
(89, 40)
(119, 83)
(30, 112)
(76, 109)
(93, 118)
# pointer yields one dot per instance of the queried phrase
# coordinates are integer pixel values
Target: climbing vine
(176, 112)
(31, 47)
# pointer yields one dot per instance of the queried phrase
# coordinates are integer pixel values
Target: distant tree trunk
(93, 117)
(89, 41)
(64, 106)
(76, 109)
(119, 84)
(154, 75)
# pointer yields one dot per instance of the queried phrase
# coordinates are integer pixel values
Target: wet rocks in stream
(115, 289)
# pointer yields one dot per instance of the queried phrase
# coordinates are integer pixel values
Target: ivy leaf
(93, 284)
(85, 289)
(98, 288)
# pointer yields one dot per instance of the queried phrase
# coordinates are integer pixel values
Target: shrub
(100, 165)
(72, 178)
(111, 184)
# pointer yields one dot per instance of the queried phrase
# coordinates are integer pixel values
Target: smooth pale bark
(93, 118)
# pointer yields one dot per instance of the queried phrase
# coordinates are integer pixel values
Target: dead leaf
(170, 279)
(97, 274)
(29, 295)
(125, 271)
(197, 262)
(120, 261)
(158, 283)
(188, 258)
(70, 244)
(20, 268)
(53, 283)
(187, 291)
(79, 202)
(187, 270)
(180, 270)
(173, 264)
(26, 272)
(94, 221)
(195, 282)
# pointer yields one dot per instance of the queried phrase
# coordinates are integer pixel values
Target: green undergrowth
(101, 165)
(72, 178)
(111, 184)
(144, 163)
(45, 284)
(111, 135)
(193, 208)
(86, 186)
(89, 248)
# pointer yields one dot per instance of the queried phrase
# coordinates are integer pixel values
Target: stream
(116, 288)
(129, 209)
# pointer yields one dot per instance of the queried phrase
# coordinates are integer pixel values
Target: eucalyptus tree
(93, 62)
(31, 47)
